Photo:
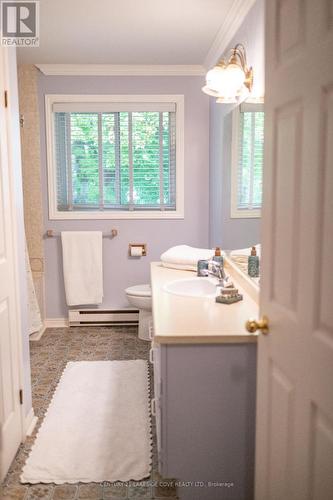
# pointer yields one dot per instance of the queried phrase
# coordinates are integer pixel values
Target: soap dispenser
(253, 264)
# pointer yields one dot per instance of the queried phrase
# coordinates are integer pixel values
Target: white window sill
(115, 215)
(245, 214)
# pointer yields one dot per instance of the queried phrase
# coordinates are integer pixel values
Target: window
(115, 156)
(247, 160)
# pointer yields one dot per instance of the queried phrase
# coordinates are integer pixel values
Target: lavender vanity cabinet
(205, 417)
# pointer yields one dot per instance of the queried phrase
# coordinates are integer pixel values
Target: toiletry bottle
(253, 264)
(218, 257)
(202, 268)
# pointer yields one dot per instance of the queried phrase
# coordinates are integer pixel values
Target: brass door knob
(262, 324)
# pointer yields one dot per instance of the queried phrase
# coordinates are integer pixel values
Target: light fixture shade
(236, 76)
(209, 91)
(226, 100)
(221, 97)
(230, 82)
(244, 94)
(215, 78)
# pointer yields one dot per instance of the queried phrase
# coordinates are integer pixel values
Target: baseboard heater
(103, 317)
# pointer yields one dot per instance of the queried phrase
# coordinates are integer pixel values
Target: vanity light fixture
(230, 82)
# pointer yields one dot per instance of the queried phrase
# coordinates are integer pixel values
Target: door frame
(12, 139)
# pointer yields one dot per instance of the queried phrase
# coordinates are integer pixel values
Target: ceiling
(128, 31)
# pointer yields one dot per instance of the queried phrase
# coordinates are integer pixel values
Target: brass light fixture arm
(239, 57)
(239, 50)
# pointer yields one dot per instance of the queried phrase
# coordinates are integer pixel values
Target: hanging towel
(185, 257)
(82, 264)
(34, 316)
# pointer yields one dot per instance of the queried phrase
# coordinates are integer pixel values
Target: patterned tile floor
(48, 359)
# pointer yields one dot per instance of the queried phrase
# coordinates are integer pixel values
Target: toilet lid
(139, 290)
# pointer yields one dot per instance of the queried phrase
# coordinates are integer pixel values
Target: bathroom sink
(192, 287)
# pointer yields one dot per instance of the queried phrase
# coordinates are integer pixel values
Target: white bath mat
(97, 427)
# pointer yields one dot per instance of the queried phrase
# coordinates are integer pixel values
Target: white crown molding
(120, 70)
(230, 25)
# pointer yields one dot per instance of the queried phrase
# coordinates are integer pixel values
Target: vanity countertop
(196, 320)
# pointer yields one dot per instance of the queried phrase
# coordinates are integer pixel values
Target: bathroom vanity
(205, 383)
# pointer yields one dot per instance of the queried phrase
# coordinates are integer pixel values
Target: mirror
(241, 262)
(242, 171)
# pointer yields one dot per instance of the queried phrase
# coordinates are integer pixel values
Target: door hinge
(21, 397)
(6, 98)
(21, 121)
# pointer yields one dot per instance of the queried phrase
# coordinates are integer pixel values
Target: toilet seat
(139, 291)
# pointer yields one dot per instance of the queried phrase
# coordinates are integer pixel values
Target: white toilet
(139, 296)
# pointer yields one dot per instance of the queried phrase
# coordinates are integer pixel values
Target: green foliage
(114, 147)
(84, 149)
(251, 158)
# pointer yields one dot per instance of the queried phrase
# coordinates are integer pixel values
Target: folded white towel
(82, 265)
(180, 267)
(185, 257)
(246, 251)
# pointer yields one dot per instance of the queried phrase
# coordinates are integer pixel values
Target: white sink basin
(192, 287)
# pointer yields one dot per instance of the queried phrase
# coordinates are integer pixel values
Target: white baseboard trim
(30, 423)
(56, 323)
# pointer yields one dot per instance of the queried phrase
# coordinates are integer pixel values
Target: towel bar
(113, 233)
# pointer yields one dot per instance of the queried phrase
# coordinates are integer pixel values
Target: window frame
(55, 214)
(235, 212)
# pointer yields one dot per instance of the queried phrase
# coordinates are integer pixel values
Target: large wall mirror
(246, 169)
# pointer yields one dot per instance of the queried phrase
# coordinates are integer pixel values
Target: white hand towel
(83, 268)
(185, 257)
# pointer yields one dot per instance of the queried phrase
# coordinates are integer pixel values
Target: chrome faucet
(213, 268)
(216, 269)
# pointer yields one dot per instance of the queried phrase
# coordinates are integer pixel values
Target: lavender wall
(224, 231)
(120, 271)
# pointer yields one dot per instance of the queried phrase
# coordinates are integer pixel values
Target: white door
(10, 411)
(294, 443)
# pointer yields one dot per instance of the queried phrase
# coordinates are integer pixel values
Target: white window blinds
(250, 157)
(107, 159)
